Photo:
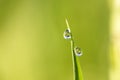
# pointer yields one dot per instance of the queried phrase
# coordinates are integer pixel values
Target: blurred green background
(32, 46)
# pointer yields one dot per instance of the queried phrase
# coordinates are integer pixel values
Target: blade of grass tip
(76, 66)
(67, 25)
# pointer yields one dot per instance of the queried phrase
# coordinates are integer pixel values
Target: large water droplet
(67, 34)
(78, 51)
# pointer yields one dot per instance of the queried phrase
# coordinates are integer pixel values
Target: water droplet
(67, 34)
(78, 51)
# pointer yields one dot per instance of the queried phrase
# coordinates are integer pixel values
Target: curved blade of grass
(76, 66)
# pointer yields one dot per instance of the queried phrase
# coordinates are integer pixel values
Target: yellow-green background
(32, 46)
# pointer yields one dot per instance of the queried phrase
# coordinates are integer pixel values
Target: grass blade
(76, 66)
(77, 73)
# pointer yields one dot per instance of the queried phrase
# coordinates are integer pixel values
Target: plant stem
(76, 66)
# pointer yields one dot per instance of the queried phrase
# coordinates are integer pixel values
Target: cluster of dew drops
(67, 35)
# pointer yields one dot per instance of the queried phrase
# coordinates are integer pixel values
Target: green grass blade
(76, 65)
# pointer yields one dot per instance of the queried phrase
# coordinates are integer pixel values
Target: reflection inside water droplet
(78, 51)
(67, 34)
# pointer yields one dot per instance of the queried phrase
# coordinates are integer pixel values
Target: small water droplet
(78, 51)
(67, 34)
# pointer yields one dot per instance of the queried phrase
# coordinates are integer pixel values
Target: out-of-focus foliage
(32, 45)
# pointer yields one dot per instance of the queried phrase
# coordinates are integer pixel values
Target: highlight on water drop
(78, 51)
(67, 34)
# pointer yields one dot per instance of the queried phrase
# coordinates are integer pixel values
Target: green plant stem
(76, 66)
